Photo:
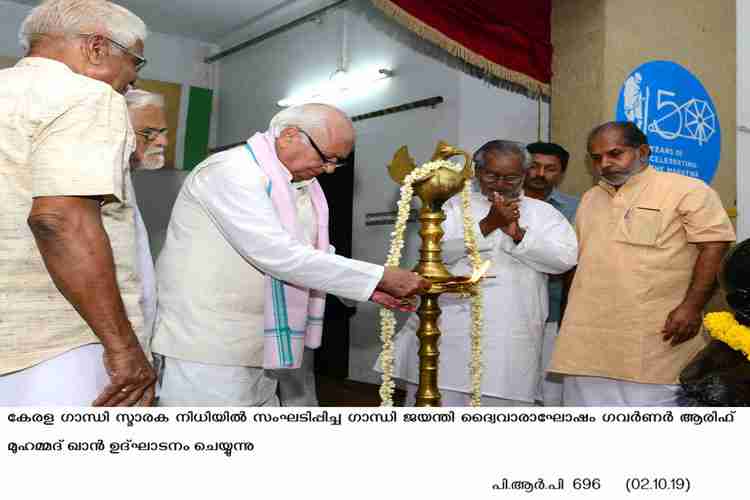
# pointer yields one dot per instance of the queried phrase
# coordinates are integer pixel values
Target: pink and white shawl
(293, 316)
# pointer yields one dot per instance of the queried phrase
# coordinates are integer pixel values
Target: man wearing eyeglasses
(149, 120)
(246, 264)
(69, 289)
(526, 240)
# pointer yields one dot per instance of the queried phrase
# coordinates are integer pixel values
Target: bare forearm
(707, 266)
(76, 250)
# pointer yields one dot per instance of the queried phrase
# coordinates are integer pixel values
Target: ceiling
(211, 20)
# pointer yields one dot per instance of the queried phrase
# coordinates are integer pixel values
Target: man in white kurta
(148, 117)
(536, 240)
(226, 236)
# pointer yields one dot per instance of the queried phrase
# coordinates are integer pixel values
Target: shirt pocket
(641, 225)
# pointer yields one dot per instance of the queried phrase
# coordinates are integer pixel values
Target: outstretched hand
(391, 302)
(402, 283)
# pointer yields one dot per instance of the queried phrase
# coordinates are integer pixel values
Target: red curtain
(510, 39)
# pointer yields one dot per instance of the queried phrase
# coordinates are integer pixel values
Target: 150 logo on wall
(673, 109)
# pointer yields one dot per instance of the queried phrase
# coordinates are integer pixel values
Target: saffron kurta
(636, 259)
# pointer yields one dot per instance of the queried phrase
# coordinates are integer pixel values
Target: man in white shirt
(246, 248)
(526, 240)
(69, 290)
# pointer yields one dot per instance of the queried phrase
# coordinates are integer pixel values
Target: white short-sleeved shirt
(61, 134)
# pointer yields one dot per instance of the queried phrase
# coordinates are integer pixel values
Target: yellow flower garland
(722, 326)
(388, 318)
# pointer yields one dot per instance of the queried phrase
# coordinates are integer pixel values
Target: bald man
(246, 264)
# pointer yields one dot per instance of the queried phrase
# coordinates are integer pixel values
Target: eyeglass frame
(334, 161)
(140, 61)
(146, 133)
(490, 177)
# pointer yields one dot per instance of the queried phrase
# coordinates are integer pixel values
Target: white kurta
(223, 236)
(145, 267)
(515, 302)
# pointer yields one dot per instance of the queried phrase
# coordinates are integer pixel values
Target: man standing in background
(69, 287)
(549, 161)
(147, 115)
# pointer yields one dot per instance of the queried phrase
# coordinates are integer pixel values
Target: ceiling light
(340, 82)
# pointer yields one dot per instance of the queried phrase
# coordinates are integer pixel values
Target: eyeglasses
(140, 61)
(512, 179)
(335, 162)
(151, 134)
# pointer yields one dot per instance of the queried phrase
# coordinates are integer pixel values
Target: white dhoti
(189, 383)
(550, 384)
(599, 391)
(297, 387)
(74, 378)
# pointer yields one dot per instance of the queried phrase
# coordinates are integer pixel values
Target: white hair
(75, 17)
(501, 148)
(308, 117)
(137, 98)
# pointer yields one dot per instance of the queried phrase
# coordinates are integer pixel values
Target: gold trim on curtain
(456, 49)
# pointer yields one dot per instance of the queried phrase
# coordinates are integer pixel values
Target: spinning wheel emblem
(693, 120)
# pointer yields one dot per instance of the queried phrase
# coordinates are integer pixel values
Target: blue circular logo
(673, 109)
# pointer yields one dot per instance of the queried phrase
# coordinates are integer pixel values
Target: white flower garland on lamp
(388, 318)
(475, 365)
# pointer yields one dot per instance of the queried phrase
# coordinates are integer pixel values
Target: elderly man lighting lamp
(246, 264)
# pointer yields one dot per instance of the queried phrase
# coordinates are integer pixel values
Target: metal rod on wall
(422, 103)
(273, 32)
(539, 118)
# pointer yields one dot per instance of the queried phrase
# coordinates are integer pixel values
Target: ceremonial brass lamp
(433, 191)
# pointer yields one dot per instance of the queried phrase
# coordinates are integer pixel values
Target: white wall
(743, 120)
(253, 80)
(11, 15)
(171, 58)
(486, 112)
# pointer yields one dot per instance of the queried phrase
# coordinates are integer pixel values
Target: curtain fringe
(456, 49)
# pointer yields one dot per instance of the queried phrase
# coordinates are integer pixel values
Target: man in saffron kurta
(246, 264)
(650, 246)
